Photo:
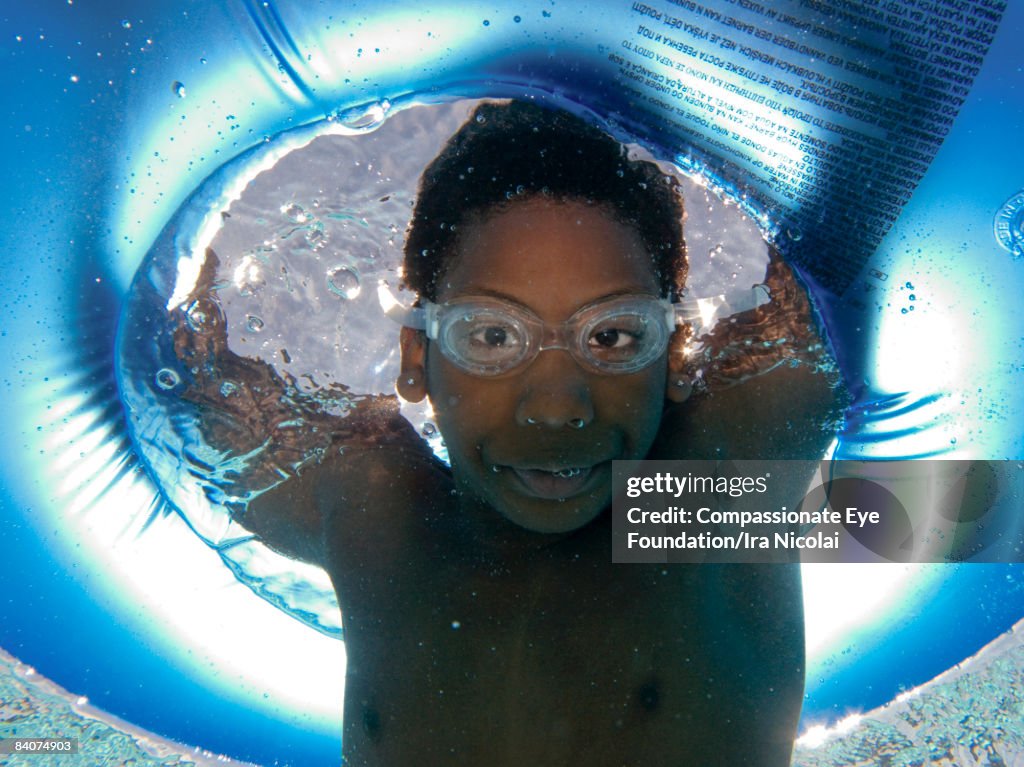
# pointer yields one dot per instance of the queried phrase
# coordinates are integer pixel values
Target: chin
(553, 517)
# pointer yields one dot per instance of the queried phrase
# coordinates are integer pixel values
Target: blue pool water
(115, 116)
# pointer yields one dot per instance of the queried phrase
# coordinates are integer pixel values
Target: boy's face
(537, 443)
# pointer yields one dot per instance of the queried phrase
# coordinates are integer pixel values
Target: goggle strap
(413, 317)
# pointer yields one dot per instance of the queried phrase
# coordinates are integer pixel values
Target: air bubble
(125, 24)
(429, 430)
(344, 281)
(248, 277)
(178, 89)
(365, 118)
(254, 323)
(167, 379)
(794, 234)
(197, 318)
(228, 388)
(202, 315)
(295, 212)
(315, 236)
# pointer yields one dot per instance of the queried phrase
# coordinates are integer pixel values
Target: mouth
(555, 483)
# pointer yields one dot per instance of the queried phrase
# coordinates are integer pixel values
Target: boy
(485, 623)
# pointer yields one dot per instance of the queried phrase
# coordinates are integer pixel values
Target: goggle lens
(483, 340)
(625, 340)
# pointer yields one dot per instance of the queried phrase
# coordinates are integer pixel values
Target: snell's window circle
(261, 318)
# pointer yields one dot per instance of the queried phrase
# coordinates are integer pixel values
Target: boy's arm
(766, 385)
(769, 390)
(373, 449)
(785, 413)
(280, 450)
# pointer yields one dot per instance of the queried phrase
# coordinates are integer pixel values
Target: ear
(679, 381)
(412, 381)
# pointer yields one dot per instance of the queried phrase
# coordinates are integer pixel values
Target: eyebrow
(492, 293)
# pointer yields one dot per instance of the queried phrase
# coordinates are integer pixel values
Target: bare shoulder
(376, 466)
(376, 501)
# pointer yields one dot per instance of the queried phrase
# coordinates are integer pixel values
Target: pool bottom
(971, 715)
(31, 706)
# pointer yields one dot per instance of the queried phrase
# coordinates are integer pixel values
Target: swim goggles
(486, 336)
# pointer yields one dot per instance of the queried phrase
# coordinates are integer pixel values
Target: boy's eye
(620, 337)
(492, 335)
(612, 339)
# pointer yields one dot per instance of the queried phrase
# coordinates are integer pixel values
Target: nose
(555, 393)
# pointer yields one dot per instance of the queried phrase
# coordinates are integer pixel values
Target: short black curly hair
(513, 151)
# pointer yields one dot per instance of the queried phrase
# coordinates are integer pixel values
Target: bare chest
(554, 664)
